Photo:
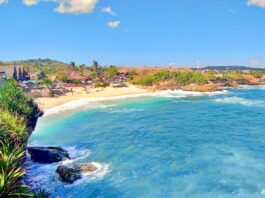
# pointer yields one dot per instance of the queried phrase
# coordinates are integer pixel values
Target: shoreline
(80, 97)
(94, 95)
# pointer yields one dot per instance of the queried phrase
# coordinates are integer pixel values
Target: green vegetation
(102, 84)
(46, 81)
(111, 71)
(17, 113)
(257, 74)
(180, 78)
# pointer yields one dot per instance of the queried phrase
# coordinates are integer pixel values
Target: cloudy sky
(135, 32)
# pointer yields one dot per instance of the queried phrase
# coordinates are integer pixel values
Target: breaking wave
(241, 101)
(183, 94)
(94, 102)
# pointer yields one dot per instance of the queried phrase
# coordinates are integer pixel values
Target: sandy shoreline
(81, 93)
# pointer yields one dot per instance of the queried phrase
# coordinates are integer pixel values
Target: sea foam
(95, 102)
(241, 101)
(184, 94)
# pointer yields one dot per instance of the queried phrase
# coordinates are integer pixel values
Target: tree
(15, 73)
(96, 69)
(82, 68)
(20, 74)
(24, 74)
(73, 65)
(95, 65)
(111, 71)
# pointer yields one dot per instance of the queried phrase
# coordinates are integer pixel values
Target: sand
(81, 93)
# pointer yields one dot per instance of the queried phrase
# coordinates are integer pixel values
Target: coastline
(80, 93)
(93, 98)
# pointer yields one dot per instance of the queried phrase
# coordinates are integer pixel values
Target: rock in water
(48, 154)
(86, 167)
(68, 175)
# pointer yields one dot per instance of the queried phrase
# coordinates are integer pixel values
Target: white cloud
(30, 2)
(257, 2)
(114, 24)
(108, 10)
(68, 6)
(3, 1)
(75, 6)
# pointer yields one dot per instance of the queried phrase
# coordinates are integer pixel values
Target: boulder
(68, 175)
(85, 167)
(48, 154)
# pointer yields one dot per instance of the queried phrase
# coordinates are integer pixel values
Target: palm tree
(73, 65)
(15, 73)
(19, 74)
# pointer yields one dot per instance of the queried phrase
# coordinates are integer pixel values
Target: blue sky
(135, 32)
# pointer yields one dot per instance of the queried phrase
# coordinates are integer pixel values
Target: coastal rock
(48, 154)
(201, 88)
(68, 175)
(86, 167)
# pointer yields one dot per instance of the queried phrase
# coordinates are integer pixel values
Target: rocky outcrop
(85, 167)
(48, 154)
(68, 175)
(201, 88)
(33, 117)
(71, 174)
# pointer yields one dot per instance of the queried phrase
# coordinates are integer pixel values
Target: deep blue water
(161, 146)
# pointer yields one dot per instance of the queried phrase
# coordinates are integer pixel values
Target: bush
(257, 74)
(17, 114)
(181, 78)
(11, 171)
(46, 81)
(15, 125)
(111, 71)
(13, 98)
(102, 84)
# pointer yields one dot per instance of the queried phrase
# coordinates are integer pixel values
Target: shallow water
(165, 145)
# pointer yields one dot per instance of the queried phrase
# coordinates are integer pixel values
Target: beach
(93, 93)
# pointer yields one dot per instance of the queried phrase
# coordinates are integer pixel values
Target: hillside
(39, 61)
(234, 68)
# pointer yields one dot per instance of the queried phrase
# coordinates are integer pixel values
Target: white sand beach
(82, 93)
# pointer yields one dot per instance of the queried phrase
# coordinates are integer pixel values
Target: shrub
(257, 74)
(11, 171)
(46, 81)
(181, 78)
(17, 114)
(111, 71)
(15, 126)
(102, 84)
(13, 98)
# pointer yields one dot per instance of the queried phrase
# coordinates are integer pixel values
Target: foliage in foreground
(16, 113)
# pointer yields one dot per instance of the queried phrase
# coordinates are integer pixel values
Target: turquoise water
(171, 145)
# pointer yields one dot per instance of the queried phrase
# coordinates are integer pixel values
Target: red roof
(76, 76)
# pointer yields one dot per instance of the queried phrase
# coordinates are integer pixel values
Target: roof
(76, 76)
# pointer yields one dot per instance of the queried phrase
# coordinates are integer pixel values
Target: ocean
(169, 144)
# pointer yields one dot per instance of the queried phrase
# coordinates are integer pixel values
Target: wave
(76, 155)
(184, 94)
(238, 100)
(94, 102)
(102, 170)
(252, 86)
(74, 105)
(125, 110)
